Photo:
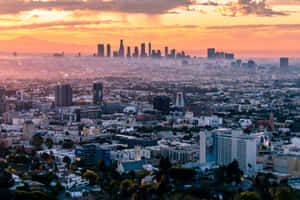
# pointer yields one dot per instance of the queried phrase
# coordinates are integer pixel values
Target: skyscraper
(108, 51)
(3, 102)
(128, 52)
(97, 93)
(28, 130)
(100, 50)
(179, 100)
(63, 95)
(143, 50)
(211, 53)
(121, 50)
(173, 52)
(202, 153)
(149, 49)
(234, 145)
(166, 52)
(284, 63)
(136, 52)
(162, 103)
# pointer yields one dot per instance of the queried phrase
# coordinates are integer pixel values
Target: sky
(249, 28)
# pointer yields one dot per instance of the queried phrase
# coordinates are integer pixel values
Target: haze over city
(251, 28)
(149, 100)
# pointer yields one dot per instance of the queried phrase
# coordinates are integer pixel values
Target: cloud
(257, 26)
(82, 25)
(56, 23)
(126, 6)
(249, 7)
(285, 2)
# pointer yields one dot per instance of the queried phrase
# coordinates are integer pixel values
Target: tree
(49, 143)
(283, 193)
(3, 149)
(101, 165)
(128, 187)
(68, 144)
(233, 172)
(45, 156)
(37, 140)
(164, 164)
(220, 175)
(6, 181)
(67, 160)
(182, 173)
(248, 196)
(91, 176)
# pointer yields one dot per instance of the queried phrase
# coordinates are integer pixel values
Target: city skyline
(75, 26)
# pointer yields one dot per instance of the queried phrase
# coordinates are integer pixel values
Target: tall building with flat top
(179, 100)
(108, 50)
(202, 152)
(284, 63)
(28, 130)
(143, 50)
(97, 93)
(162, 103)
(211, 53)
(166, 52)
(149, 49)
(63, 95)
(100, 50)
(233, 145)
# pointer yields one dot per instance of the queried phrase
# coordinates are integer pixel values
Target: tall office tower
(121, 50)
(162, 103)
(3, 102)
(128, 52)
(97, 93)
(28, 130)
(251, 63)
(179, 100)
(202, 153)
(108, 50)
(173, 52)
(115, 54)
(143, 50)
(233, 145)
(63, 95)
(284, 63)
(229, 56)
(211, 53)
(158, 53)
(149, 49)
(136, 52)
(166, 52)
(100, 50)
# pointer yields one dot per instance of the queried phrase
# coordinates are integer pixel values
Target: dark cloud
(126, 6)
(250, 7)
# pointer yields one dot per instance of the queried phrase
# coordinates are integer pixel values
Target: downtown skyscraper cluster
(139, 52)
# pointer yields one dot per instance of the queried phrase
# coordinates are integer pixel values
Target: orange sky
(258, 28)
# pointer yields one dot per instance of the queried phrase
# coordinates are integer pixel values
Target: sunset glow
(268, 28)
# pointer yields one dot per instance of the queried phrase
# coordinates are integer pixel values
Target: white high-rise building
(28, 130)
(179, 100)
(202, 153)
(234, 145)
